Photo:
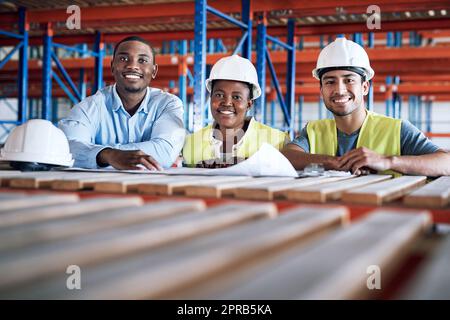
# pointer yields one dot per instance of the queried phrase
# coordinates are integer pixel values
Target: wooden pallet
(11, 195)
(90, 216)
(178, 184)
(160, 272)
(332, 190)
(35, 200)
(226, 189)
(39, 179)
(62, 210)
(127, 184)
(382, 192)
(73, 183)
(340, 266)
(434, 194)
(48, 258)
(5, 174)
(274, 190)
(433, 280)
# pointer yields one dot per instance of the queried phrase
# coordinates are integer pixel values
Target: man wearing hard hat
(127, 125)
(233, 136)
(356, 139)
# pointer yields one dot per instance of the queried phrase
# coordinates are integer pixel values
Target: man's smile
(341, 99)
(132, 75)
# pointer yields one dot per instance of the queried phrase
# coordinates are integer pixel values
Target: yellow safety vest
(378, 133)
(199, 145)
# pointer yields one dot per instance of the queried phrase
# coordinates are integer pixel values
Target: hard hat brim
(369, 72)
(26, 157)
(256, 89)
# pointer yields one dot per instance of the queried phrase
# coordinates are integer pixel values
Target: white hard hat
(37, 141)
(343, 53)
(235, 68)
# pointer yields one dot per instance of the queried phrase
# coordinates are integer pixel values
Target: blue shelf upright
(22, 79)
(72, 91)
(263, 58)
(200, 48)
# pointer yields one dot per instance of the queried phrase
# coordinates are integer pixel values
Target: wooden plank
(11, 195)
(434, 194)
(433, 279)
(170, 270)
(213, 179)
(332, 190)
(44, 176)
(6, 176)
(7, 173)
(120, 242)
(36, 200)
(337, 267)
(173, 185)
(271, 191)
(379, 193)
(125, 185)
(73, 184)
(54, 211)
(164, 186)
(36, 181)
(93, 218)
(223, 189)
(28, 174)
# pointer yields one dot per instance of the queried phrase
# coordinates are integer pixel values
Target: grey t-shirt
(413, 141)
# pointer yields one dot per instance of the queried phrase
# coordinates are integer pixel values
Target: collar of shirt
(344, 135)
(117, 102)
(217, 144)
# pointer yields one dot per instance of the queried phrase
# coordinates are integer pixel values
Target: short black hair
(139, 39)
(250, 87)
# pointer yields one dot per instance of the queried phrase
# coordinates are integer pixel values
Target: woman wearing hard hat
(357, 139)
(233, 87)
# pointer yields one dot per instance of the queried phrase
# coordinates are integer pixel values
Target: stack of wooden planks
(370, 190)
(125, 248)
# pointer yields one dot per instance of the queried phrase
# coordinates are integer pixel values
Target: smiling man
(357, 139)
(233, 137)
(127, 125)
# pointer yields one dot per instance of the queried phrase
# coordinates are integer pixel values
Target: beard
(340, 114)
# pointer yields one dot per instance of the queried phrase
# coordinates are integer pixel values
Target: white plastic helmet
(37, 142)
(235, 68)
(343, 53)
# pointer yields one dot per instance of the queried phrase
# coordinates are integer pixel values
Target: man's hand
(361, 160)
(332, 163)
(127, 159)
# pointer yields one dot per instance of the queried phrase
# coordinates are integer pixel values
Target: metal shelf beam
(21, 67)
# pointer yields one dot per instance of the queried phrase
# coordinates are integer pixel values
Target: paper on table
(267, 161)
